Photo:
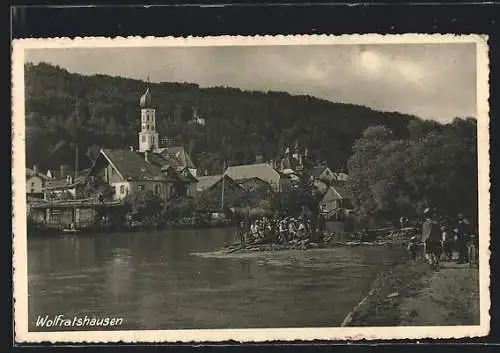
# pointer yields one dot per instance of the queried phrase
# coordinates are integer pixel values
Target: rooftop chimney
(62, 171)
(35, 168)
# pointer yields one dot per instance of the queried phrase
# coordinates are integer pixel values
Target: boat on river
(71, 231)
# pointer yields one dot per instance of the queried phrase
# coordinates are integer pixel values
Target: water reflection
(153, 281)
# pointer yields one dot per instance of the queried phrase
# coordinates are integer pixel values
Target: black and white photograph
(251, 188)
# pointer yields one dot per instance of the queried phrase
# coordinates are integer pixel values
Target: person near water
(446, 240)
(282, 231)
(431, 237)
(241, 231)
(301, 230)
(412, 248)
(463, 237)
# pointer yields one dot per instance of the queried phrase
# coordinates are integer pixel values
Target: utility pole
(222, 192)
(76, 161)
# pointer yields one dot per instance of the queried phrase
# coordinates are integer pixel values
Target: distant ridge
(103, 111)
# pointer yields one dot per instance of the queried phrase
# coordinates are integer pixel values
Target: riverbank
(413, 295)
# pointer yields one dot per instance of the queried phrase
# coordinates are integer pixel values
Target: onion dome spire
(146, 101)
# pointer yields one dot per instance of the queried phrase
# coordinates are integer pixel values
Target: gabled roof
(131, 166)
(245, 180)
(337, 192)
(178, 153)
(263, 171)
(342, 189)
(206, 182)
(31, 173)
(318, 170)
(162, 159)
(56, 184)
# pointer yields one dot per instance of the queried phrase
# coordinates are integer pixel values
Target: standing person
(431, 237)
(446, 241)
(463, 235)
(241, 231)
(412, 248)
(282, 232)
(301, 229)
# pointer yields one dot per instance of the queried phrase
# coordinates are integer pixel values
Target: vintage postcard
(273, 188)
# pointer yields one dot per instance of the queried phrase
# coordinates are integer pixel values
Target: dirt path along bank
(413, 295)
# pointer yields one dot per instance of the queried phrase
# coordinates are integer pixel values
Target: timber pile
(329, 240)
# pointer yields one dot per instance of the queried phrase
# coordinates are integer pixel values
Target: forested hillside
(64, 110)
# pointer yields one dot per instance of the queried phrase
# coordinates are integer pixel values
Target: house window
(140, 187)
(122, 189)
(157, 189)
(143, 138)
(32, 184)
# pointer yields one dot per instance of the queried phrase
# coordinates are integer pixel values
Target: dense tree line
(65, 111)
(436, 166)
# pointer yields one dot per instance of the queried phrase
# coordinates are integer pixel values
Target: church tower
(148, 137)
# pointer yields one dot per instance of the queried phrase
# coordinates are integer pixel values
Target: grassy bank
(412, 294)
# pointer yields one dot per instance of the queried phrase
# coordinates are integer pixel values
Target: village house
(128, 173)
(67, 188)
(197, 120)
(214, 182)
(322, 177)
(336, 198)
(263, 171)
(35, 183)
(180, 156)
(291, 162)
(210, 189)
(322, 173)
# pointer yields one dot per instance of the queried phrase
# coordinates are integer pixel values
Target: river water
(153, 281)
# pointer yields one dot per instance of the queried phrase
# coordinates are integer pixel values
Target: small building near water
(35, 183)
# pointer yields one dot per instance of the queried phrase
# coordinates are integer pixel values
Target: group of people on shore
(280, 230)
(442, 237)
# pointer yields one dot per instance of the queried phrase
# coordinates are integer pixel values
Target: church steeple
(148, 137)
(146, 101)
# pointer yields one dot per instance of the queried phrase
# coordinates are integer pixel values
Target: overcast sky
(433, 81)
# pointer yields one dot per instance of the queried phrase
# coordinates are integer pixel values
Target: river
(153, 281)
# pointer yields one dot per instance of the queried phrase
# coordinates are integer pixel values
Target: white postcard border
(20, 275)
